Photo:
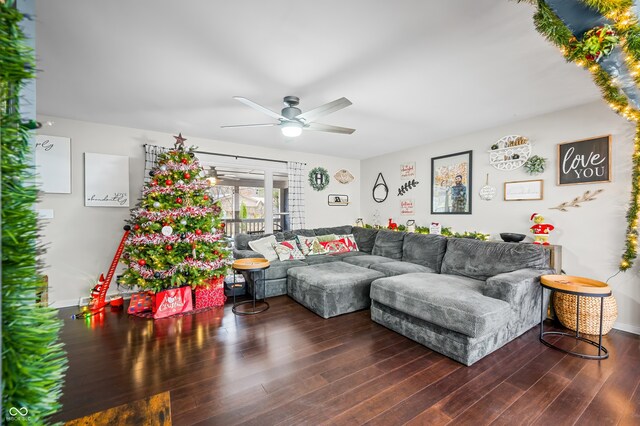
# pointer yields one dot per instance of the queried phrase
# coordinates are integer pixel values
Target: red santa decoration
(540, 230)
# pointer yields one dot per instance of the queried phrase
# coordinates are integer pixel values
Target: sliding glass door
(242, 191)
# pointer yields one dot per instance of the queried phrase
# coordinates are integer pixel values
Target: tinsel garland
(170, 166)
(177, 213)
(626, 25)
(148, 273)
(192, 186)
(33, 362)
(138, 240)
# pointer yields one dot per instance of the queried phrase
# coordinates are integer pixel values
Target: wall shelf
(501, 158)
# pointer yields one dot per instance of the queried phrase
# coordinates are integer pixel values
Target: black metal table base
(603, 353)
(258, 305)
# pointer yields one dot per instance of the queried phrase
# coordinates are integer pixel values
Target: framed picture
(106, 180)
(407, 207)
(338, 200)
(53, 164)
(523, 190)
(407, 171)
(451, 185)
(585, 161)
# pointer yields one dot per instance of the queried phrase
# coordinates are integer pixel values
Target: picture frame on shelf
(451, 183)
(584, 161)
(524, 190)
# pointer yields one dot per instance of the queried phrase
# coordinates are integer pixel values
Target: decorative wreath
(319, 186)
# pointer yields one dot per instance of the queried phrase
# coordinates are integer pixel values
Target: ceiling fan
(293, 121)
(214, 175)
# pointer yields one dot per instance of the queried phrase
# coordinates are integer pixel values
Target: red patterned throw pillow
(349, 241)
(288, 250)
(335, 246)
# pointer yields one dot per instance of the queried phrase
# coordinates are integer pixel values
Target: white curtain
(296, 194)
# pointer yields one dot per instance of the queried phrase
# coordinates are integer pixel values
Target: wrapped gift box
(212, 295)
(141, 302)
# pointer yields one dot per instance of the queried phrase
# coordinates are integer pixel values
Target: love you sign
(586, 161)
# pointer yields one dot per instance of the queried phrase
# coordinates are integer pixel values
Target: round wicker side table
(578, 287)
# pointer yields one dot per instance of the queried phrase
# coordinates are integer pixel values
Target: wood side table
(577, 286)
(251, 265)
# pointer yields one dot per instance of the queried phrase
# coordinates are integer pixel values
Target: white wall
(592, 236)
(81, 241)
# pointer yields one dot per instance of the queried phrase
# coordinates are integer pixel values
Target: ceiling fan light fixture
(291, 129)
(213, 176)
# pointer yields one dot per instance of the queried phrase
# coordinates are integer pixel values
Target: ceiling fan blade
(250, 125)
(329, 128)
(259, 107)
(323, 110)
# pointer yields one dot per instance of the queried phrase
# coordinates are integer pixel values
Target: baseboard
(67, 303)
(64, 303)
(627, 327)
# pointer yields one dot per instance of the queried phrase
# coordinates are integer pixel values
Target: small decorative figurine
(540, 230)
(392, 225)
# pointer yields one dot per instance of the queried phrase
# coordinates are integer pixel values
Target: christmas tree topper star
(180, 141)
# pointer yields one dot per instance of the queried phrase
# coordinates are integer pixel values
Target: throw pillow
(310, 246)
(328, 237)
(335, 246)
(349, 241)
(288, 250)
(264, 246)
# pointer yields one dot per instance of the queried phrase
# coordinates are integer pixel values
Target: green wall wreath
(313, 178)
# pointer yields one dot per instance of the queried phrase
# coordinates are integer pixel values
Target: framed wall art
(524, 190)
(451, 185)
(53, 164)
(407, 207)
(407, 171)
(338, 200)
(106, 180)
(585, 161)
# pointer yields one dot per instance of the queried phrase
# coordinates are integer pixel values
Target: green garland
(627, 29)
(325, 178)
(33, 362)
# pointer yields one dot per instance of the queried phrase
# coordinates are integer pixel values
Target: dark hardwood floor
(289, 366)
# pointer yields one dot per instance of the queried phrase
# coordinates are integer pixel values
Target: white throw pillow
(264, 246)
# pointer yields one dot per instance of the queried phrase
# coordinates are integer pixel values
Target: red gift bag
(212, 295)
(141, 302)
(173, 301)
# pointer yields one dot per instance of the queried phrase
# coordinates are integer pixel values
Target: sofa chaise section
(487, 294)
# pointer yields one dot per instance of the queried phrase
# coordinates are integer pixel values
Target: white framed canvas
(106, 180)
(53, 164)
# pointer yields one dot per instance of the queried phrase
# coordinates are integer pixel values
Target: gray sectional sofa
(463, 298)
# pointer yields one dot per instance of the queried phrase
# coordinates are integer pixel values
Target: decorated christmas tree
(177, 232)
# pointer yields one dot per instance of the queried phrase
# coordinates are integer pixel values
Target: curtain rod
(236, 156)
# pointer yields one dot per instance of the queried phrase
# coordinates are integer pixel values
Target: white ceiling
(416, 71)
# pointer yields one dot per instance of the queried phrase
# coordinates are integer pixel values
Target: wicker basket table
(578, 287)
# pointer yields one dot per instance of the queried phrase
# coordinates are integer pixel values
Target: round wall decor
(380, 189)
(510, 152)
(319, 178)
